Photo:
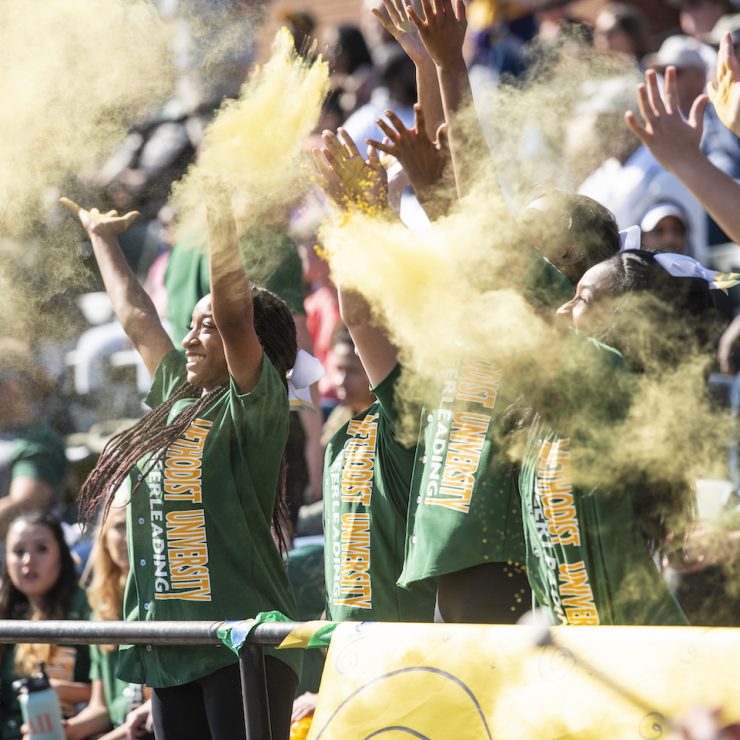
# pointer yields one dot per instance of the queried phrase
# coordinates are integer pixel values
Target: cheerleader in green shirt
(590, 553)
(205, 471)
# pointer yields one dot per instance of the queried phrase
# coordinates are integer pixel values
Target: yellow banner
(471, 682)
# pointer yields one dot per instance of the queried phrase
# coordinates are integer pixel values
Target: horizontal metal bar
(131, 633)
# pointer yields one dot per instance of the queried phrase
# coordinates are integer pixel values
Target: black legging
(211, 707)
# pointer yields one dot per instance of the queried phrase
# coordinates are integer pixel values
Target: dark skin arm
(442, 27)
(131, 304)
(231, 294)
(426, 163)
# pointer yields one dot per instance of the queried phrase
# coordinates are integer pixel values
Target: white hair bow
(306, 371)
(630, 238)
(681, 265)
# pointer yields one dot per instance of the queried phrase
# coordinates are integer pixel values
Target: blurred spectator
(321, 303)
(346, 50)
(494, 50)
(397, 92)
(301, 25)
(350, 382)
(621, 29)
(353, 75)
(33, 465)
(665, 229)
(39, 581)
(698, 17)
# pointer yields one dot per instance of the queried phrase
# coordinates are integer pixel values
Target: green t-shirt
(32, 451)
(271, 260)
(367, 479)
(103, 668)
(587, 562)
(71, 662)
(465, 509)
(199, 526)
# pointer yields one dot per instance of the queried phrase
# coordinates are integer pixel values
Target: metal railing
(251, 658)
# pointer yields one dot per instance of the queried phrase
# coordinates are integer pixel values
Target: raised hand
(673, 140)
(725, 91)
(347, 178)
(402, 28)
(441, 29)
(424, 161)
(101, 224)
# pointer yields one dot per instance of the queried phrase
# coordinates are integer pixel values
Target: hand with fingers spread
(424, 161)
(725, 91)
(402, 28)
(98, 223)
(673, 140)
(441, 29)
(347, 178)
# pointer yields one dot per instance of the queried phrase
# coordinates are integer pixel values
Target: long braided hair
(276, 331)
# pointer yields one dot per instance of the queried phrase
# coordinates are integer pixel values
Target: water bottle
(40, 706)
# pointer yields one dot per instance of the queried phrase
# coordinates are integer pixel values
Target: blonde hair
(105, 591)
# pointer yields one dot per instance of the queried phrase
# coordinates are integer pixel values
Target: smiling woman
(40, 582)
(205, 471)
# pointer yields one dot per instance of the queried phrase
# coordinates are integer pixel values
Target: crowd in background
(62, 400)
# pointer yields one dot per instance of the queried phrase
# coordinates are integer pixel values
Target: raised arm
(377, 353)
(401, 27)
(131, 304)
(231, 294)
(424, 162)
(674, 142)
(442, 30)
(334, 161)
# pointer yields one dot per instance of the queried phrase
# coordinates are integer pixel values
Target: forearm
(716, 191)
(91, 721)
(231, 293)
(429, 96)
(131, 303)
(374, 348)
(467, 144)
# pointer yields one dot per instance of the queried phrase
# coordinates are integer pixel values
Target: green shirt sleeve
(385, 392)
(170, 373)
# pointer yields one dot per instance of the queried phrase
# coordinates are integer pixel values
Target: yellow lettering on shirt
(359, 460)
(355, 585)
(187, 553)
(576, 595)
(467, 437)
(478, 383)
(182, 465)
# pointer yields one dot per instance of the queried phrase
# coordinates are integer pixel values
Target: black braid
(152, 433)
(275, 328)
